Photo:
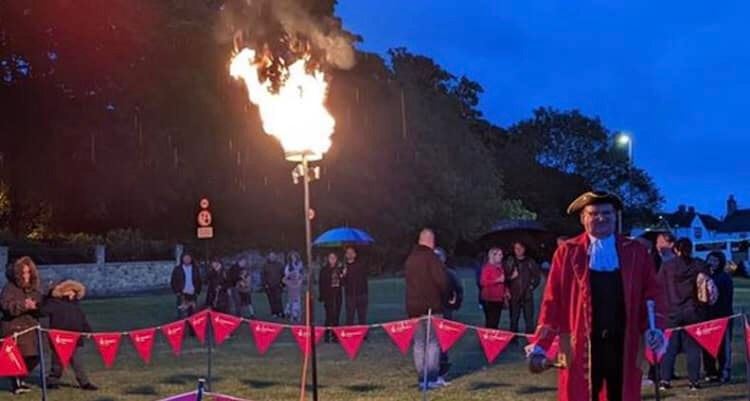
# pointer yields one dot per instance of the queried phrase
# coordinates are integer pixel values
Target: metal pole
(201, 390)
(42, 368)
(425, 387)
(209, 339)
(310, 305)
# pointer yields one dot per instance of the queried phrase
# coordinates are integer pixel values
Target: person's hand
(514, 274)
(29, 304)
(656, 341)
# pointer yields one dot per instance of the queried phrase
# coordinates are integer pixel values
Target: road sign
(204, 218)
(205, 232)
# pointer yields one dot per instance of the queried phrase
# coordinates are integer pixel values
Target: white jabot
(603, 254)
(189, 288)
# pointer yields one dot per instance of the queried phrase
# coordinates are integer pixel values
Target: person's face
(663, 243)
(496, 256)
(519, 250)
(713, 261)
(216, 265)
(332, 259)
(599, 220)
(351, 254)
(187, 260)
(242, 262)
(26, 274)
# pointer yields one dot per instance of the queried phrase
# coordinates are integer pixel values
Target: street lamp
(625, 139)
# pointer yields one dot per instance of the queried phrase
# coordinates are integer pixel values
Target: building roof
(738, 221)
(684, 218)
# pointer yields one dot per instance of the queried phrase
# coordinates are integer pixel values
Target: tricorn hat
(594, 198)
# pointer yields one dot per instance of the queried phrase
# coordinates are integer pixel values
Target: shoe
(665, 385)
(726, 380)
(442, 382)
(646, 382)
(712, 379)
(24, 386)
(429, 386)
(694, 386)
(89, 387)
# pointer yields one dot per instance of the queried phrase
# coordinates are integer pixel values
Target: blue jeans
(426, 359)
(682, 342)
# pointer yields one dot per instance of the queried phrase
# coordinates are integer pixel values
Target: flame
(296, 114)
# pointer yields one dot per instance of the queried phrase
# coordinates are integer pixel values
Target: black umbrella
(531, 232)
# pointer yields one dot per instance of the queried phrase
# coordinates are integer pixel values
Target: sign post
(205, 231)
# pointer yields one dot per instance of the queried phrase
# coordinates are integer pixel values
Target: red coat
(566, 311)
(492, 291)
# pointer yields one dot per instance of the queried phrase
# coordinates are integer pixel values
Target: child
(64, 312)
(293, 282)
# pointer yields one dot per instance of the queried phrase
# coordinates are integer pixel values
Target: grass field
(379, 373)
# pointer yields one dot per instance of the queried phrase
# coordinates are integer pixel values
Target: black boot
(16, 386)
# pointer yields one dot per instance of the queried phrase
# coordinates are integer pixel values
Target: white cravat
(603, 254)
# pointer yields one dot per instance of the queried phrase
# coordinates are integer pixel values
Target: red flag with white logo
(401, 333)
(709, 334)
(351, 338)
(447, 332)
(143, 341)
(107, 344)
(302, 334)
(493, 342)
(174, 332)
(747, 338)
(224, 325)
(653, 359)
(199, 322)
(11, 360)
(265, 334)
(64, 343)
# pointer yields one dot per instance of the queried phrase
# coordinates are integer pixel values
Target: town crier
(595, 301)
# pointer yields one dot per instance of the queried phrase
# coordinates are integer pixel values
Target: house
(686, 222)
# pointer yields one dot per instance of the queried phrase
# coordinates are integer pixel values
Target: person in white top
(186, 284)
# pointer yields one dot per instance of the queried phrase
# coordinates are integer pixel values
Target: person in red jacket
(494, 293)
(595, 302)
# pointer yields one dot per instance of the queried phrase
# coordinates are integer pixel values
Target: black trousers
(492, 312)
(333, 309)
(527, 307)
(76, 362)
(606, 366)
(274, 299)
(356, 305)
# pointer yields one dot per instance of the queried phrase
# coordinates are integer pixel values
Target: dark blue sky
(674, 73)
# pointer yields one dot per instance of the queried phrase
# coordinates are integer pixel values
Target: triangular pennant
(11, 360)
(107, 344)
(747, 338)
(653, 359)
(302, 333)
(401, 333)
(143, 341)
(174, 332)
(709, 334)
(265, 334)
(64, 343)
(493, 342)
(199, 322)
(223, 325)
(351, 338)
(447, 332)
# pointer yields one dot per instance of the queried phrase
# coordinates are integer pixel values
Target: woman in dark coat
(20, 302)
(63, 309)
(329, 285)
(724, 307)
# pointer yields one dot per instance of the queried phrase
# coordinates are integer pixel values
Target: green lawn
(379, 373)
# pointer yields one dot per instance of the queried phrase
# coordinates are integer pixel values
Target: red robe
(566, 311)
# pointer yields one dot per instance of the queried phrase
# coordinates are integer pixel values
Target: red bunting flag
(143, 341)
(747, 338)
(199, 322)
(11, 360)
(175, 332)
(265, 334)
(64, 343)
(351, 338)
(224, 325)
(107, 344)
(649, 353)
(448, 332)
(302, 333)
(401, 333)
(709, 334)
(493, 342)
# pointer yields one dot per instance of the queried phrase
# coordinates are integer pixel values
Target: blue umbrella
(343, 236)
